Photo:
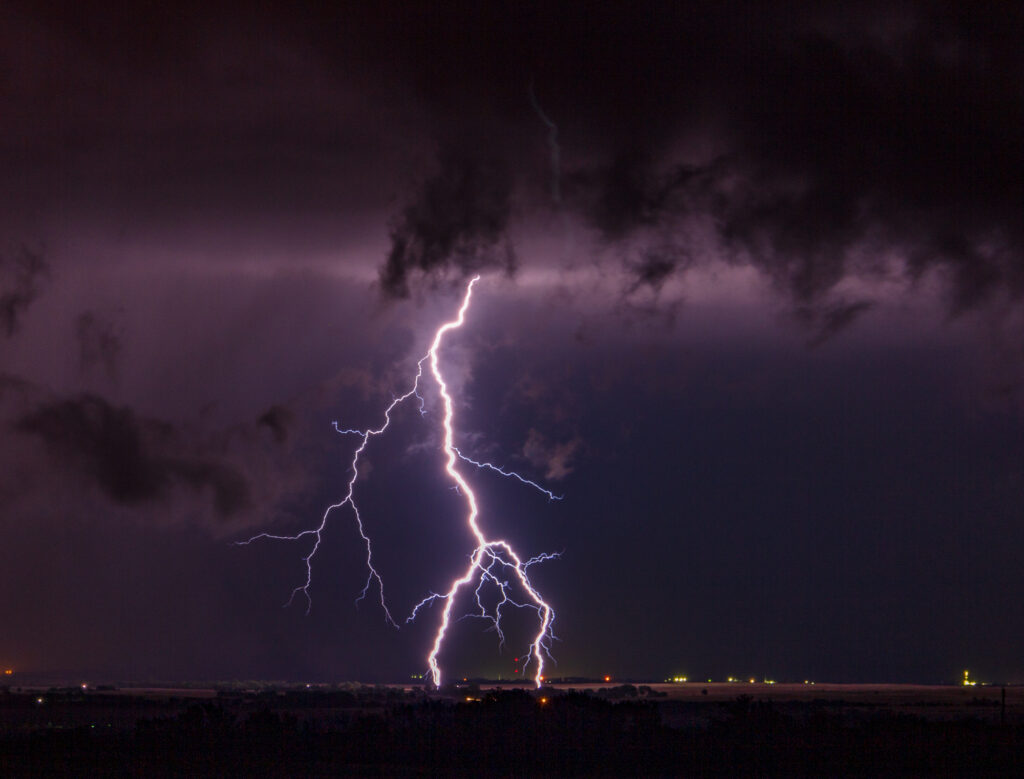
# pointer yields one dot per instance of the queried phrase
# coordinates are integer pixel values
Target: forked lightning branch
(493, 563)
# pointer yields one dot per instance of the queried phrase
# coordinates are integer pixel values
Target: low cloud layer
(23, 273)
(231, 477)
(130, 459)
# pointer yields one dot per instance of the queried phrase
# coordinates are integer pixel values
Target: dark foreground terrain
(617, 731)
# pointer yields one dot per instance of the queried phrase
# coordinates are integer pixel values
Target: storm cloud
(816, 143)
(836, 146)
(456, 220)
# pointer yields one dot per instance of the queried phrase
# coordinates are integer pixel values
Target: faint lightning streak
(556, 152)
(484, 546)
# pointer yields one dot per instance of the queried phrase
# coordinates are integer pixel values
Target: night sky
(752, 300)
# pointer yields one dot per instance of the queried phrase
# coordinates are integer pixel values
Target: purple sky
(754, 308)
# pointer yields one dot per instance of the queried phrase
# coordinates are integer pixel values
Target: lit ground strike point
(493, 561)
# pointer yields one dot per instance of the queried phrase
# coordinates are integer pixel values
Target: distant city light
(607, 678)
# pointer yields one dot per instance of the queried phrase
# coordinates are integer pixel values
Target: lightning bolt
(556, 152)
(488, 552)
(493, 561)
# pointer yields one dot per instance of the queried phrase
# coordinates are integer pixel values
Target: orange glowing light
(607, 678)
(8, 671)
